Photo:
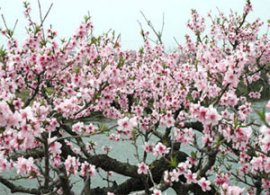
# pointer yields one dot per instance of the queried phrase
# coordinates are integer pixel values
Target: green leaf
(134, 134)
(141, 50)
(23, 94)
(2, 129)
(86, 18)
(261, 114)
(3, 53)
(77, 70)
(121, 62)
(49, 90)
(103, 127)
(194, 154)
(173, 162)
(37, 29)
(97, 96)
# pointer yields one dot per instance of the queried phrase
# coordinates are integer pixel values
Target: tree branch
(17, 188)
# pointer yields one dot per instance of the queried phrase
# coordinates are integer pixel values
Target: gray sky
(123, 15)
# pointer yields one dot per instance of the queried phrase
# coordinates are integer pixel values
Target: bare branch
(47, 13)
(151, 26)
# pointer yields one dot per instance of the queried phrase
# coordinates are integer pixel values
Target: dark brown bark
(64, 181)
(17, 188)
(137, 183)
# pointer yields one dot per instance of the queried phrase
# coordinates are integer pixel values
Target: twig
(86, 187)
(163, 23)
(14, 27)
(4, 21)
(46, 155)
(158, 34)
(176, 42)
(47, 13)
(81, 136)
(40, 11)
(42, 19)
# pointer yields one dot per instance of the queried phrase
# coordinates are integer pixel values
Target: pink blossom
(114, 137)
(202, 113)
(18, 103)
(148, 147)
(127, 124)
(212, 117)
(222, 179)
(27, 113)
(230, 78)
(254, 95)
(167, 120)
(4, 164)
(265, 184)
(174, 175)
(257, 164)
(6, 116)
(90, 128)
(229, 99)
(231, 190)
(268, 105)
(54, 146)
(78, 127)
(88, 169)
(244, 110)
(266, 165)
(160, 149)
(267, 118)
(56, 160)
(143, 168)
(197, 24)
(156, 192)
(190, 177)
(207, 139)
(166, 177)
(208, 116)
(265, 130)
(242, 134)
(71, 165)
(205, 184)
(26, 166)
(53, 124)
(107, 149)
(192, 160)
(183, 167)
(184, 136)
(265, 138)
(248, 7)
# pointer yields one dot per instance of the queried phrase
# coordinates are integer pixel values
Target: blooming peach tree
(83, 110)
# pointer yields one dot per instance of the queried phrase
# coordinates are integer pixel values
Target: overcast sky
(123, 15)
